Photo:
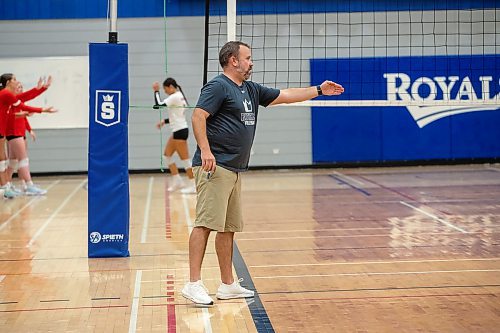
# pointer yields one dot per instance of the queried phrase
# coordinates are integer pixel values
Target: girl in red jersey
(8, 86)
(17, 124)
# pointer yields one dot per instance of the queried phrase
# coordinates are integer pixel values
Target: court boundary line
(379, 262)
(349, 236)
(378, 273)
(345, 229)
(341, 299)
(364, 235)
(361, 248)
(390, 189)
(10, 219)
(147, 209)
(434, 217)
(338, 179)
(260, 251)
(349, 178)
(257, 310)
(135, 302)
(492, 168)
(54, 214)
(379, 289)
(171, 315)
(66, 308)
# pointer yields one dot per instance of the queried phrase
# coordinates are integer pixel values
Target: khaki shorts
(218, 205)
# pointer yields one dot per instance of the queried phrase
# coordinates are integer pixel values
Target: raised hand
(330, 88)
(156, 86)
(48, 82)
(39, 85)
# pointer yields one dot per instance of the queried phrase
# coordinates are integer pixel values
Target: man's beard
(246, 74)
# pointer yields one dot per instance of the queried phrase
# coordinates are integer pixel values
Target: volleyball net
(384, 53)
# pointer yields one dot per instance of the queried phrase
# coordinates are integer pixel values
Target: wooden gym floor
(412, 249)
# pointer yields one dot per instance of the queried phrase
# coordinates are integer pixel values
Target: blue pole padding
(108, 184)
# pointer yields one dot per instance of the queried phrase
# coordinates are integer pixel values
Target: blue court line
(350, 185)
(257, 310)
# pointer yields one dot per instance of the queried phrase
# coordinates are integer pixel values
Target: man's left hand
(330, 88)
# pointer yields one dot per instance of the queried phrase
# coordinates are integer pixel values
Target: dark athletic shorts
(181, 134)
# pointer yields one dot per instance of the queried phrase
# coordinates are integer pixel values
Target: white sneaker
(234, 290)
(34, 190)
(8, 193)
(191, 189)
(17, 191)
(175, 184)
(197, 292)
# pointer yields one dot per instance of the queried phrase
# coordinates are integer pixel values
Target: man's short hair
(229, 50)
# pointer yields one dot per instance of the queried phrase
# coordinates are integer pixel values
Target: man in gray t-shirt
(233, 111)
(224, 123)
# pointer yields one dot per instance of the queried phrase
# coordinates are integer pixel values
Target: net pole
(113, 13)
(231, 20)
(165, 34)
(205, 51)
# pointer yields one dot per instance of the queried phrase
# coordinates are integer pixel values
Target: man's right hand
(208, 162)
(156, 86)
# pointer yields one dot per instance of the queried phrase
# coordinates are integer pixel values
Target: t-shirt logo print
(248, 105)
(248, 117)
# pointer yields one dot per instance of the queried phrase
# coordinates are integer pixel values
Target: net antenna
(113, 18)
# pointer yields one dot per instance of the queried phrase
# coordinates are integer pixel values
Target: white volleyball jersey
(176, 107)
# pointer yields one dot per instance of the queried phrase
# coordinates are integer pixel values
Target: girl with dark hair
(8, 99)
(176, 106)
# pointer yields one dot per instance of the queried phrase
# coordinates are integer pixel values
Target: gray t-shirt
(233, 116)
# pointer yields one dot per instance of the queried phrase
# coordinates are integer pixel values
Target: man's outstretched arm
(292, 95)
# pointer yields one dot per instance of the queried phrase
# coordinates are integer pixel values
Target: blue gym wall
(76, 9)
(380, 134)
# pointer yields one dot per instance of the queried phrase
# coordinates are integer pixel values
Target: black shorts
(12, 137)
(181, 134)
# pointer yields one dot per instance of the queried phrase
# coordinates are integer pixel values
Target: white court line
(374, 273)
(360, 274)
(492, 168)
(1, 278)
(341, 175)
(339, 229)
(61, 206)
(351, 236)
(434, 217)
(206, 320)
(146, 211)
(135, 302)
(26, 206)
(376, 262)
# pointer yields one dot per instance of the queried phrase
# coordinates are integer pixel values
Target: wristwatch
(318, 89)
